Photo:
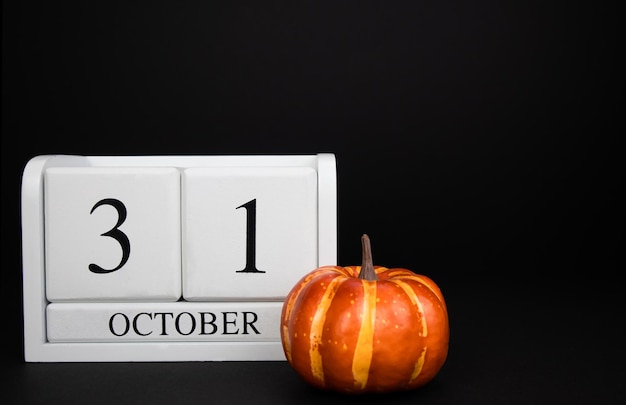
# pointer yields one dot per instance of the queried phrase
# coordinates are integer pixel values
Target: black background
(476, 143)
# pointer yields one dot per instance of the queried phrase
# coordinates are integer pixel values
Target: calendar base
(155, 352)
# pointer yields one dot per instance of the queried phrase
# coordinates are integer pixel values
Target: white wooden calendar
(169, 258)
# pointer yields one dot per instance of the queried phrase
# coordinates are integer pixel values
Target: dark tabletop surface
(476, 143)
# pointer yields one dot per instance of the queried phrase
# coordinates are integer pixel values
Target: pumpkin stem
(367, 265)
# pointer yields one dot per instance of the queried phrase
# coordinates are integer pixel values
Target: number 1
(250, 207)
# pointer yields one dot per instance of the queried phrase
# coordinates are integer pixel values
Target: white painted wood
(249, 233)
(38, 348)
(145, 202)
(162, 322)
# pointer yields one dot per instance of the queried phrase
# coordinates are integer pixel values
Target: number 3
(114, 233)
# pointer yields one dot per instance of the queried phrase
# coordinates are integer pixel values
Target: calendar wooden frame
(36, 346)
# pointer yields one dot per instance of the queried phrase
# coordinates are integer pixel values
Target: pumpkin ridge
(420, 309)
(290, 301)
(362, 359)
(426, 282)
(418, 365)
(286, 315)
(415, 300)
(317, 328)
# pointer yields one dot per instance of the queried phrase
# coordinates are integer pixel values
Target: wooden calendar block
(169, 258)
(112, 234)
(163, 322)
(248, 232)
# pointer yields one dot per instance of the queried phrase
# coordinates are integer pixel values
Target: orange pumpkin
(365, 328)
